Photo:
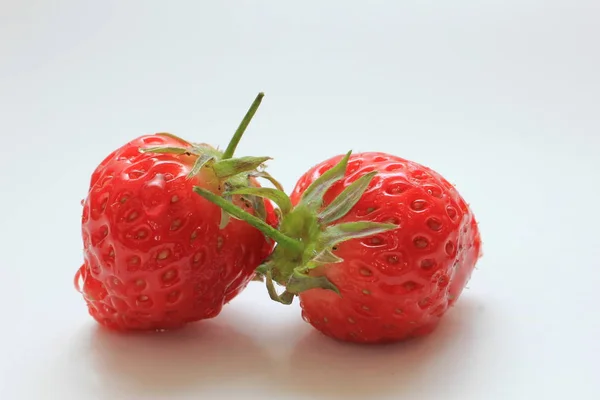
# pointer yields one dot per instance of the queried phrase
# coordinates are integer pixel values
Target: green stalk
(243, 125)
(259, 224)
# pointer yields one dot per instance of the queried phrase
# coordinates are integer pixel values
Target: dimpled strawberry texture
(398, 284)
(155, 257)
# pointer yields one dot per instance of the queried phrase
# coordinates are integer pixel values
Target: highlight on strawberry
(156, 255)
(376, 247)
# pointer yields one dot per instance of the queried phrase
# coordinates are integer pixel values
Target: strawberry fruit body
(398, 283)
(376, 247)
(156, 255)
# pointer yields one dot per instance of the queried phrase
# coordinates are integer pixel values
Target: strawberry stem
(259, 224)
(243, 125)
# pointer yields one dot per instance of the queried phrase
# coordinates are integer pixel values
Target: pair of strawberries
(376, 247)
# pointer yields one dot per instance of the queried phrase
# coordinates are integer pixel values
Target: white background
(500, 96)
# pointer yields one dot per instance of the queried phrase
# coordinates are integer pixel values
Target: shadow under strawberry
(327, 369)
(197, 358)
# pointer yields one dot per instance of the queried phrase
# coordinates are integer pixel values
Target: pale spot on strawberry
(364, 271)
(443, 281)
(133, 215)
(138, 285)
(353, 166)
(428, 263)
(434, 224)
(163, 254)
(421, 242)
(419, 175)
(394, 167)
(433, 190)
(351, 320)
(393, 259)
(418, 205)
(397, 188)
(173, 297)
(169, 277)
(451, 211)
(366, 292)
(424, 303)
(114, 282)
(374, 241)
(410, 286)
(107, 309)
(450, 248)
(176, 224)
(198, 259)
(174, 199)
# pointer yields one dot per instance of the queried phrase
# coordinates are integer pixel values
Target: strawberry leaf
(267, 176)
(166, 150)
(200, 162)
(278, 197)
(313, 195)
(352, 230)
(326, 257)
(285, 298)
(300, 282)
(256, 222)
(233, 166)
(346, 200)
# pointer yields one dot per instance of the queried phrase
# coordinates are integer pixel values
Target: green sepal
(265, 175)
(233, 166)
(285, 298)
(343, 203)
(352, 230)
(224, 215)
(167, 150)
(277, 196)
(258, 205)
(300, 282)
(326, 257)
(200, 162)
(313, 195)
(256, 222)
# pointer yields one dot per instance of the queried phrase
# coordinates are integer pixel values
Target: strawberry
(376, 247)
(157, 256)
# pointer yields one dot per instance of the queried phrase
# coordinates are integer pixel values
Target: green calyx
(232, 174)
(307, 235)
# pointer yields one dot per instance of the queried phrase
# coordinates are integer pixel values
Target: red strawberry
(155, 254)
(377, 252)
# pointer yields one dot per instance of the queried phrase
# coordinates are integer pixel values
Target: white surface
(500, 96)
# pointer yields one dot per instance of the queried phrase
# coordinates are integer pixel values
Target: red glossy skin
(400, 283)
(155, 257)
